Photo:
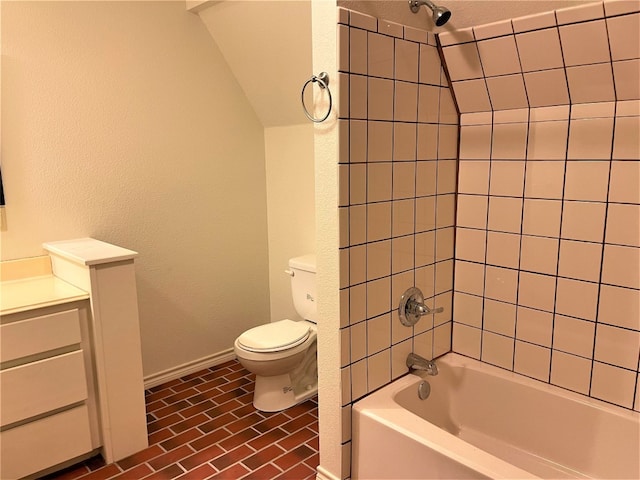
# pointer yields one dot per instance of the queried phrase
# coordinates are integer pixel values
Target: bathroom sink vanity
(70, 361)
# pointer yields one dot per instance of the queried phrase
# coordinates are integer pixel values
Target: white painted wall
(122, 121)
(290, 208)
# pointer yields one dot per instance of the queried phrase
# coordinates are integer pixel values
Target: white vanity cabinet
(47, 388)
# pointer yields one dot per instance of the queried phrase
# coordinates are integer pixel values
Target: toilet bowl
(283, 354)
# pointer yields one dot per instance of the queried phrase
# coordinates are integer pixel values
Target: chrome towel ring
(323, 81)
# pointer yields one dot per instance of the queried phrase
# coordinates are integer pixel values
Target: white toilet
(282, 354)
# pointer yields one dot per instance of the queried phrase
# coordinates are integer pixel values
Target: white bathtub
(484, 422)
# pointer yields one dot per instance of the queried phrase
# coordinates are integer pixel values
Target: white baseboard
(322, 474)
(187, 368)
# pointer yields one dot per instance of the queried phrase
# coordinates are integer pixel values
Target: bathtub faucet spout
(416, 362)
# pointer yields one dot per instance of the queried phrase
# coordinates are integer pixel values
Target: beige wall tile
(380, 58)
(623, 224)
(357, 51)
(472, 96)
(470, 244)
(626, 78)
(593, 110)
(472, 211)
(539, 254)
(448, 112)
(547, 88)
(425, 214)
(618, 7)
(427, 142)
(380, 99)
(536, 291)
(378, 221)
(624, 184)
(426, 178)
(591, 83)
(586, 180)
(574, 336)
(544, 179)
(499, 56)
(344, 308)
(500, 317)
(497, 350)
(475, 142)
(359, 379)
(361, 20)
(542, 217)
(378, 181)
(539, 50)
(399, 353)
(583, 221)
(346, 423)
(357, 224)
(379, 369)
(406, 98)
(406, 60)
(505, 214)
(358, 337)
(580, 13)
(503, 249)
(404, 141)
(445, 211)
(428, 102)
(444, 300)
(469, 277)
(344, 268)
(357, 303)
(442, 339)
(547, 140)
(447, 176)
(467, 309)
(626, 142)
(467, 340)
(358, 183)
(378, 259)
(621, 266)
(357, 264)
(590, 139)
(534, 326)
(580, 260)
(571, 372)
(404, 180)
(343, 218)
(624, 36)
(619, 306)
(343, 48)
(429, 68)
(423, 344)
(444, 245)
(444, 278)
(403, 217)
(613, 384)
(345, 377)
(617, 346)
(507, 178)
(358, 96)
(491, 30)
(532, 360)
(576, 298)
(357, 141)
(402, 254)
(507, 92)
(501, 284)
(463, 61)
(344, 146)
(343, 185)
(457, 36)
(534, 22)
(343, 104)
(378, 333)
(425, 281)
(509, 141)
(473, 177)
(585, 43)
(378, 297)
(379, 141)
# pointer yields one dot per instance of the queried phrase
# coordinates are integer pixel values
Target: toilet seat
(274, 337)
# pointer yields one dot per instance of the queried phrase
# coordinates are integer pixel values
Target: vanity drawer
(39, 387)
(39, 334)
(49, 441)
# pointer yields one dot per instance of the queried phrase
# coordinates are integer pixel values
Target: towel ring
(323, 81)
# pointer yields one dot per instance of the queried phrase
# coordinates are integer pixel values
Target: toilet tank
(303, 286)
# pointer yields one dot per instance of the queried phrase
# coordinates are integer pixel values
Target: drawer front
(44, 443)
(39, 387)
(39, 334)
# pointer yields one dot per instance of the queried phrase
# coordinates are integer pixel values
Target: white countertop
(37, 292)
(89, 251)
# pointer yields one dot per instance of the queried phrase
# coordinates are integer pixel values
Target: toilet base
(275, 393)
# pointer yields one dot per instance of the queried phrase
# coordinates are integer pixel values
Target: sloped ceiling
(267, 44)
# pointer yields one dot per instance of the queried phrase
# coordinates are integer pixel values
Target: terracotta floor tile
(189, 434)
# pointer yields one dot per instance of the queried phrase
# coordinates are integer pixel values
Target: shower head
(441, 15)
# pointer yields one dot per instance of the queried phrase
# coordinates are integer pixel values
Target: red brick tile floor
(204, 425)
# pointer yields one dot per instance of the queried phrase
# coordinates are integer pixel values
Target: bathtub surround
(397, 167)
(547, 234)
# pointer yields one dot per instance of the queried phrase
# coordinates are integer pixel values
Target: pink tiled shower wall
(398, 170)
(547, 232)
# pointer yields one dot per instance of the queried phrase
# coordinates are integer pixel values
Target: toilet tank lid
(304, 262)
